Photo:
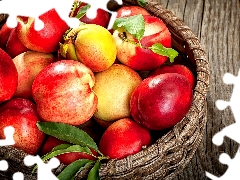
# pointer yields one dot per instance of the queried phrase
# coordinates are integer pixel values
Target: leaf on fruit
(72, 169)
(72, 148)
(68, 133)
(94, 172)
(134, 25)
(141, 3)
(61, 146)
(161, 50)
(82, 11)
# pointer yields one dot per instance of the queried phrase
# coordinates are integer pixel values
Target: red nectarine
(63, 92)
(137, 54)
(161, 101)
(45, 40)
(22, 115)
(8, 76)
(123, 138)
(176, 68)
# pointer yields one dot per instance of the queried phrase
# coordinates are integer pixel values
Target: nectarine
(114, 88)
(45, 40)
(123, 138)
(175, 68)
(22, 115)
(63, 92)
(28, 65)
(161, 101)
(8, 76)
(137, 54)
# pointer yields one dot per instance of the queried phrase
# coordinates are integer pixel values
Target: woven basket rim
(169, 155)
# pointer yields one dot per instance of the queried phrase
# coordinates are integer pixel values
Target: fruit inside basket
(125, 102)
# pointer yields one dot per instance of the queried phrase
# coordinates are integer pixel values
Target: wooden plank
(216, 24)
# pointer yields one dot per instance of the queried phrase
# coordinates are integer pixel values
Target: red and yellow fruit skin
(8, 77)
(141, 57)
(14, 46)
(66, 158)
(95, 47)
(114, 88)
(45, 40)
(22, 115)
(63, 92)
(123, 138)
(28, 65)
(161, 101)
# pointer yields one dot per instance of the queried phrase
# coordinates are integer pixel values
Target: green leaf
(82, 11)
(61, 146)
(161, 50)
(133, 24)
(141, 3)
(62, 149)
(68, 133)
(73, 148)
(72, 169)
(94, 172)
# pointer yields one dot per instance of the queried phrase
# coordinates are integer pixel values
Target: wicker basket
(172, 151)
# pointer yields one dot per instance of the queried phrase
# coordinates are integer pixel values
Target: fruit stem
(72, 33)
(123, 36)
(103, 157)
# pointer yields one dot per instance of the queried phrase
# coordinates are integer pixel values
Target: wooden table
(217, 24)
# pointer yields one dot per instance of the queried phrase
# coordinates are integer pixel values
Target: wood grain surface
(217, 24)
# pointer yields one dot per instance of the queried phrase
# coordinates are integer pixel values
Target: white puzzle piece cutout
(34, 8)
(232, 131)
(44, 170)
(101, 4)
(8, 132)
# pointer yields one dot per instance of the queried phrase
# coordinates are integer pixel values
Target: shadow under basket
(170, 152)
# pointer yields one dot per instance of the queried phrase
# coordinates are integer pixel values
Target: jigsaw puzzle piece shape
(44, 170)
(102, 4)
(8, 132)
(231, 131)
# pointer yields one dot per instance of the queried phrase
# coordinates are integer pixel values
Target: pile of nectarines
(90, 73)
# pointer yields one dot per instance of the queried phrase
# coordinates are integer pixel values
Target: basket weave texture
(172, 151)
